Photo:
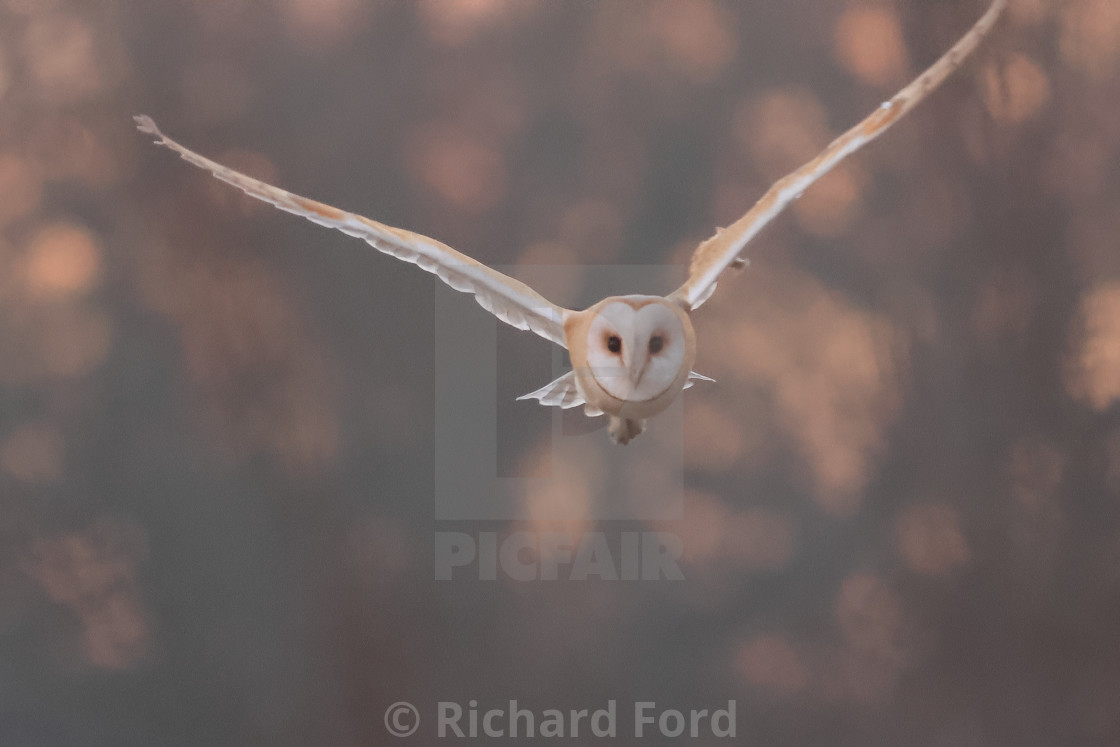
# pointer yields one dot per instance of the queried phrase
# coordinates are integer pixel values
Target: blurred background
(902, 518)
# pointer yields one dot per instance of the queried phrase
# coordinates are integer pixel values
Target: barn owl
(631, 355)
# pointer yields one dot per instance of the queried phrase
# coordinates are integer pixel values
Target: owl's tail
(623, 430)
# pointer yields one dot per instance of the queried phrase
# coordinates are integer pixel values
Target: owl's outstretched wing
(724, 249)
(510, 300)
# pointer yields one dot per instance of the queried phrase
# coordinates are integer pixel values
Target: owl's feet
(623, 430)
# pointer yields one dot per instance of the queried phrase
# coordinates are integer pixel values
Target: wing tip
(146, 124)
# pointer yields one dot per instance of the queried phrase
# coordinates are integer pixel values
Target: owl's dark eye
(656, 343)
(614, 344)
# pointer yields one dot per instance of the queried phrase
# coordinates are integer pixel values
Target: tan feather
(724, 249)
(510, 300)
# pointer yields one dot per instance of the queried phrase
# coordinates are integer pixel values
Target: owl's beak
(635, 359)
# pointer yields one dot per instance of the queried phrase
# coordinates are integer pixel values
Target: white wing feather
(693, 377)
(510, 300)
(564, 393)
(713, 256)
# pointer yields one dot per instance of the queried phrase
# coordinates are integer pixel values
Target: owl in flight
(631, 355)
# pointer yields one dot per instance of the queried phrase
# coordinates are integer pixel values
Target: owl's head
(638, 348)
